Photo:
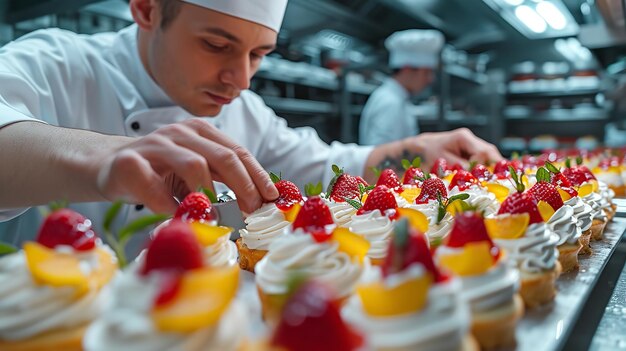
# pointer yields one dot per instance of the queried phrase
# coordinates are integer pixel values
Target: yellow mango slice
(500, 191)
(507, 226)
(594, 185)
(545, 210)
(410, 194)
(585, 189)
(408, 297)
(448, 178)
(363, 198)
(473, 259)
(351, 243)
(208, 234)
(417, 219)
(564, 195)
(49, 267)
(525, 181)
(203, 296)
(454, 207)
(292, 213)
(104, 272)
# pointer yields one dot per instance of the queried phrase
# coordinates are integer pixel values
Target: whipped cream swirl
(595, 201)
(565, 225)
(263, 226)
(342, 212)
(299, 253)
(535, 251)
(582, 212)
(480, 198)
(376, 228)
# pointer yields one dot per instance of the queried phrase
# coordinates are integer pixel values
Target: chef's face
(203, 59)
(420, 79)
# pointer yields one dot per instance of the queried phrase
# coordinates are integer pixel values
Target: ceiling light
(531, 19)
(514, 2)
(552, 15)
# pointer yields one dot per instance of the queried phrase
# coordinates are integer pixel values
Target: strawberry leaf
(210, 195)
(313, 189)
(140, 224)
(57, 205)
(417, 162)
(275, 179)
(336, 170)
(579, 160)
(353, 203)
(6, 249)
(552, 168)
(406, 164)
(110, 215)
(543, 175)
(472, 164)
(516, 180)
(514, 155)
(441, 212)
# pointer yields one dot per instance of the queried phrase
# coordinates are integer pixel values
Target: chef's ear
(146, 13)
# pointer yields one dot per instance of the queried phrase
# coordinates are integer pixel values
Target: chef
(158, 109)
(413, 58)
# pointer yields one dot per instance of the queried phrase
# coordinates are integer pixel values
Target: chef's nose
(237, 73)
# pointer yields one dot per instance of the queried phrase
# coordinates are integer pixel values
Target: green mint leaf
(514, 155)
(210, 195)
(377, 171)
(406, 164)
(370, 187)
(6, 249)
(579, 160)
(417, 162)
(353, 203)
(110, 215)
(441, 212)
(552, 168)
(461, 196)
(275, 179)
(139, 224)
(543, 175)
(57, 205)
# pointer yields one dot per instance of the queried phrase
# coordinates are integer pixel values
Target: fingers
(144, 186)
(474, 148)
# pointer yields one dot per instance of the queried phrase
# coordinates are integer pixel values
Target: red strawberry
(501, 169)
(311, 321)
(578, 175)
(389, 178)
(174, 248)
(586, 172)
(315, 218)
(440, 167)
(412, 175)
(430, 188)
(361, 181)
(481, 172)
(288, 193)
(468, 227)
(521, 203)
(195, 207)
(456, 167)
(463, 180)
(67, 227)
(343, 186)
(543, 191)
(409, 246)
(380, 198)
(560, 180)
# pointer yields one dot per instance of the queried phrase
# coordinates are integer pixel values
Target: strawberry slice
(463, 180)
(311, 321)
(288, 193)
(432, 188)
(315, 218)
(469, 227)
(481, 172)
(389, 178)
(440, 167)
(67, 227)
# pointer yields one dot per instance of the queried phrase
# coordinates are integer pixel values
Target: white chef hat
(414, 48)
(268, 13)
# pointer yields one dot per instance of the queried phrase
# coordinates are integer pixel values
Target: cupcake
(315, 248)
(170, 299)
(432, 202)
(609, 172)
(374, 222)
(479, 197)
(559, 219)
(55, 286)
(532, 247)
(407, 304)
(489, 283)
(411, 182)
(268, 223)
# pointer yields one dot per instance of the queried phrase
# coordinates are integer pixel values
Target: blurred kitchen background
(524, 74)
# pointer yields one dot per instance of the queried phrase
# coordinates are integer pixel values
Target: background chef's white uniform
(386, 116)
(99, 83)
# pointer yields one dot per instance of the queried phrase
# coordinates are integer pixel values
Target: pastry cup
(597, 229)
(584, 240)
(495, 328)
(248, 258)
(65, 339)
(539, 288)
(568, 256)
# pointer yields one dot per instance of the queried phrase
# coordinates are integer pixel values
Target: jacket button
(135, 125)
(139, 207)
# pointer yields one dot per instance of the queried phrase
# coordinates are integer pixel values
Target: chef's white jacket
(387, 116)
(97, 82)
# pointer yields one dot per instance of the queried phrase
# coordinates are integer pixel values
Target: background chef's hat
(414, 48)
(265, 12)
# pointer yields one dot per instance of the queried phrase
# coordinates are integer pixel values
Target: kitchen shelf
(299, 105)
(465, 73)
(560, 116)
(557, 93)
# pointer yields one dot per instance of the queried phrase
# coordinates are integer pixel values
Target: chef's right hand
(177, 159)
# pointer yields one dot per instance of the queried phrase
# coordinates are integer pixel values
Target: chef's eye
(214, 47)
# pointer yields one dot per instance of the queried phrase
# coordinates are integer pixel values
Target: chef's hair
(169, 11)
